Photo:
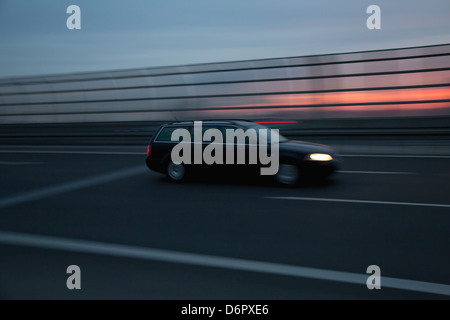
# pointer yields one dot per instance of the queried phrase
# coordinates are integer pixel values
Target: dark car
(292, 160)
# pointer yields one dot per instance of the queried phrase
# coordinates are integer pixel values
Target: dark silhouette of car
(297, 160)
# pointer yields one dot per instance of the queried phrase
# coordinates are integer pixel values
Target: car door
(244, 148)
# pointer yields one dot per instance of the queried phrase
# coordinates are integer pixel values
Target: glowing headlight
(319, 157)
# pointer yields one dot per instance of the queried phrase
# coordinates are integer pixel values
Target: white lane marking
(395, 156)
(126, 251)
(364, 201)
(70, 186)
(376, 172)
(73, 152)
(18, 163)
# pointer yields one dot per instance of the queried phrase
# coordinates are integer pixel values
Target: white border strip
(125, 251)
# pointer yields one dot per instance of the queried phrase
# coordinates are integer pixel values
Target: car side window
(166, 134)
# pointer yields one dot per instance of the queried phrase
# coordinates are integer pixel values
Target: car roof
(240, 122)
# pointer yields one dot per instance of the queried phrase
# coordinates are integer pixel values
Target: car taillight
(149, 150)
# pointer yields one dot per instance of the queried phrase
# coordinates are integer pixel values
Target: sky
(34, 38)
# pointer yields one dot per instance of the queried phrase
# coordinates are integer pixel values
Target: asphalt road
(135, 235)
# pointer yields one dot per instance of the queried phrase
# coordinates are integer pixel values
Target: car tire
(175, 172)
(288, 174)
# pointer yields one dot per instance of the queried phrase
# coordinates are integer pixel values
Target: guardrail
(435, 127)
(385, 83)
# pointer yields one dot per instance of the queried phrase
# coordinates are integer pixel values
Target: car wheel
(288, 174)
(175, 172)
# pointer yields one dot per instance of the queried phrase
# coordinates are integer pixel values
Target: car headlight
(319, 157)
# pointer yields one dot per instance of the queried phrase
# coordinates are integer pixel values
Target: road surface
(135, 235)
